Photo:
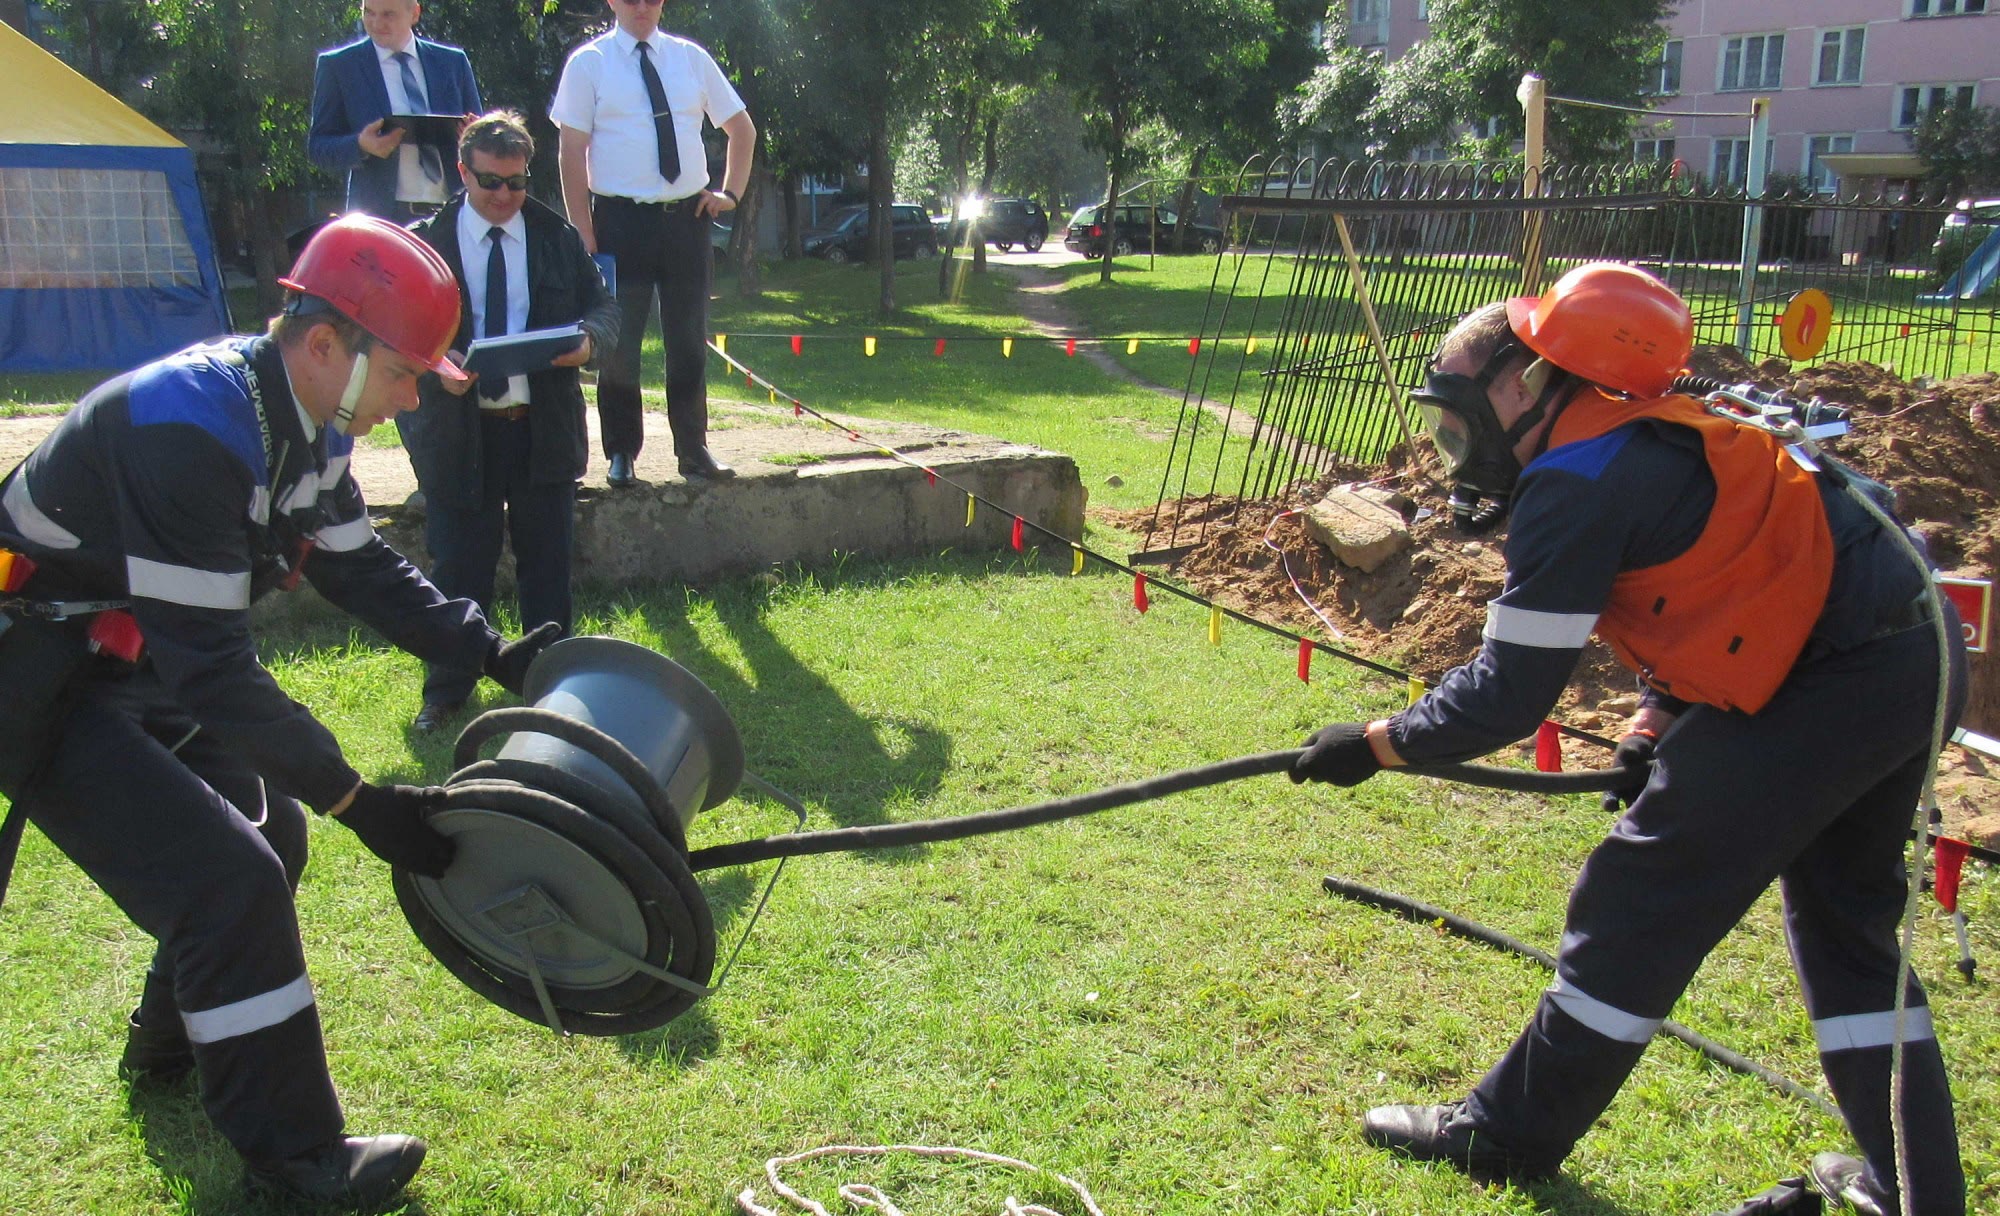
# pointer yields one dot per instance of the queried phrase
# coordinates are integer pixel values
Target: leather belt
(665, 205)
(505, 413)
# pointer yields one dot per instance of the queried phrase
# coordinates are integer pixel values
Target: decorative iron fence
(1290, 381)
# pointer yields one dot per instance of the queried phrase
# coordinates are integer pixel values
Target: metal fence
(1290, 383)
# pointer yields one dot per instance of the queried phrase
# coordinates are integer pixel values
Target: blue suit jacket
(348, 94)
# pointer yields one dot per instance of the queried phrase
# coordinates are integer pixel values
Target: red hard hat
(1611, 324)
(382, 278)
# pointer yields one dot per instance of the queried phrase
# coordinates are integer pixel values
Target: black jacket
(564, 288)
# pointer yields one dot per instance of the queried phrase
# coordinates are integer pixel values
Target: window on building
(1368, 23)
(1824, 179)
(1913, 101)
(1666, 74)
(1840, 56)
(1653, 150)
(1945, 8)
(1423, 10)
(1752, 61)
(1730, 165)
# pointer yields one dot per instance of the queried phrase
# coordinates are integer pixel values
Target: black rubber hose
(931, 831)
(1425, 914)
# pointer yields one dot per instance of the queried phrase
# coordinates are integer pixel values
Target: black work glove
(1337, 753)
(1635, 756)
(507, 665)
(390, 821)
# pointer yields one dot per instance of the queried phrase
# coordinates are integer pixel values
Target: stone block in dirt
(1360, 531)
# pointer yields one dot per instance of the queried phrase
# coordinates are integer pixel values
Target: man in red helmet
(181, 492)
(1751, 592)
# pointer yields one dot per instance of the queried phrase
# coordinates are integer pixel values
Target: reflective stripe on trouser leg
(191, 871)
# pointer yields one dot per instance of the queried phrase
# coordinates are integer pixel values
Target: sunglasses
(493, 181)
(644, 3)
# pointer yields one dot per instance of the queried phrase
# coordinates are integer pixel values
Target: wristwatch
(728, 194)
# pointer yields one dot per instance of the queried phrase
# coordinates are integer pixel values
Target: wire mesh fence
(1291, 380)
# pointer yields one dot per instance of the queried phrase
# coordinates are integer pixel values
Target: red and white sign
(1973, 597)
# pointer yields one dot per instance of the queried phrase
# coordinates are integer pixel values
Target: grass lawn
(1159, 1001)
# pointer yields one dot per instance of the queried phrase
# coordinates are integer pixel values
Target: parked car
(844, 235)
(1008, 222)
(1133, 230)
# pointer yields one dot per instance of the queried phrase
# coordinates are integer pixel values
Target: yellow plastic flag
(1214, 626)
(868, 346)
(774, 396)
(1076, 559)
(722, 344)
(1416, 689)
(1006, 348)
(970, 504)
(1132, 346)
(1250, 347)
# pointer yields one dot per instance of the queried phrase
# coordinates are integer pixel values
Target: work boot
(354, 1172)
(155, 1055)
(1845, 1183)
(1446, 1133)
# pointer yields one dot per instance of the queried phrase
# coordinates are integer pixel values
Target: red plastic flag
(1194, 346)
(939, 352)
(1548, 748)
(798, 344)
(1139, 599)
(1069, 347)
(930, 475)
(1950, 858)
(1016, 539)
(1306, 660)
(798, 409)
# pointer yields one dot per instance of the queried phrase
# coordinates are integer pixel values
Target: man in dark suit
(358, 86)
(505, 454)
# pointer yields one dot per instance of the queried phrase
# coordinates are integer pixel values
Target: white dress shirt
(602, 94)
(413, 185)
(474, 248)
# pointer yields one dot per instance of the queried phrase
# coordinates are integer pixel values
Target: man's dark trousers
(660, 248)
(539, 521)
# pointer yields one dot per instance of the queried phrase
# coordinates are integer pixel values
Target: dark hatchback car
(1133, 231)
(844, 236)
(1009, 222)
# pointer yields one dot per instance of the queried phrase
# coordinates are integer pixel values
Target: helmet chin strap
(350, 397)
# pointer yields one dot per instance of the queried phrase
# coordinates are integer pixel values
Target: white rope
(863, 1196)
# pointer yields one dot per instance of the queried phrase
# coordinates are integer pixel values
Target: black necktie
(663, 118)
(493, 388)
(413, 92)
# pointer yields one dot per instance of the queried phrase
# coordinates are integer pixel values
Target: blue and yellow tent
(106, 258)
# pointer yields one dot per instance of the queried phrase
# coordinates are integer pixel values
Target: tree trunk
(267, 249)
(788, 223)
(1186, 206)
(882, 193)
(959, 174)
(1108, 215)
(989, 169)
(743, 232)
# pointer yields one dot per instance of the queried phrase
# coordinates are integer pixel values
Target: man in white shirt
(358, 86)
(635, 182)
(504, 457)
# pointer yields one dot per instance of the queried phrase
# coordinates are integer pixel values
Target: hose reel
(572, 900)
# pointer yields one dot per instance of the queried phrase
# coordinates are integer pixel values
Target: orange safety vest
(1723, 622)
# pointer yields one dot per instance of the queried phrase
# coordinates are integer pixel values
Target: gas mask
(1478, 452)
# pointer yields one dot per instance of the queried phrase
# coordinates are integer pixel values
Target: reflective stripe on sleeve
(29, 520)
(347, 537)
(186, 585)
(260, 505)
(1857, 1030)
(1542, 630)
(1611, 1022)
(250, 1015)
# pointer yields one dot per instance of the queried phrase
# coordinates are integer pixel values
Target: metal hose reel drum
(570, 901)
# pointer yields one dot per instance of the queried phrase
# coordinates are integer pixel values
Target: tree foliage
(1960, 146)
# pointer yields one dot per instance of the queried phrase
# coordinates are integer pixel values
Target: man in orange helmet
(1751, 593)
(175, 495)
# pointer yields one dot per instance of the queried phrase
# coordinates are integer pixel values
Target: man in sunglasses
(635, 182)
(505, 455)
(1789, 646)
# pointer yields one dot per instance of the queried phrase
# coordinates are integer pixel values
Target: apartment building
(1848, 79)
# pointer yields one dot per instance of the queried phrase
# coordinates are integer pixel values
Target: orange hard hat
(382, 278)
(1611, 324)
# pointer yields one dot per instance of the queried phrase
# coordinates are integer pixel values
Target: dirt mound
(1937, 445)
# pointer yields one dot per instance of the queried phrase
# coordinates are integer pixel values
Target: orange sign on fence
(1973, 597)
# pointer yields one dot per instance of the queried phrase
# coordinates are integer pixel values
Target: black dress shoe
(353, 1172)
(155, 1055)
(435, 714)
(621, 474)
(1843, 1180)
(700, 463)
(1446, 1133)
